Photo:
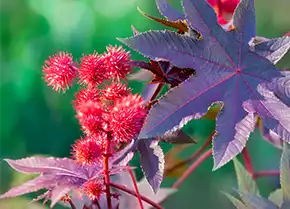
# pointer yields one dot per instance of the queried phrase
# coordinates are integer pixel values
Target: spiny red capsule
(87, 151)
(59, 71)
(85, 95)
(116, 60)
(92, 70)
(93, 189)
(127, 117)
(115, 91)
(90, 115)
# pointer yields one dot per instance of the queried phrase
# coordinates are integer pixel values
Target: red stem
(71, 204)
(125, 189)
(187, 173)
(265, 174)
(193, 157)
(107, 172)
(248, 161)
(135, 187)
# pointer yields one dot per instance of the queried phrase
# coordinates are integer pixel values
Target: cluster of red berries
(106, 109)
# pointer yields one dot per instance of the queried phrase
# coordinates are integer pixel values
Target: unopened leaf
(245, 181)
(258, 202)
(236, 202)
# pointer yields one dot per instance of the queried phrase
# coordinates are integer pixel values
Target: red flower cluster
(224, 9)
(106, 112)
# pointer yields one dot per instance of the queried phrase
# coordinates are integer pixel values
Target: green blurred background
(37, 121)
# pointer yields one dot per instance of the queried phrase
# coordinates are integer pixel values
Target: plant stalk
(107, 172)
(135, 187)
(192, 168)
(145, 199)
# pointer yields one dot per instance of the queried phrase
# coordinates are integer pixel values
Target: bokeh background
(37, 121)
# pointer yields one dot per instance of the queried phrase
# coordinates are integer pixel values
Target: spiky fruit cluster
(105, 108)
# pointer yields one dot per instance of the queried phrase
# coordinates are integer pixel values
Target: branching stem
(192, 168)
(125, 189)
(107, 172)
(266, 173)
(135, 187)
(193, 157)
(248, 161)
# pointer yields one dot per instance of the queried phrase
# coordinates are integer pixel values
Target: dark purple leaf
(274, 114)
(281, 87)
(228, 71)
(148, 92)
(244, 20)
(164, 72)
(176, 137)
(141, 75)
(258, 202)
(152, 162)
(273, 49)
(167, 11)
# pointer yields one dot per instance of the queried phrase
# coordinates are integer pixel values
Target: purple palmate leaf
(57, 175)
(228, 71)
(152, 162)
(167, 11)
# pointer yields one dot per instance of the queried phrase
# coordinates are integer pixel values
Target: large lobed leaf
(60, 175)
(228, 70)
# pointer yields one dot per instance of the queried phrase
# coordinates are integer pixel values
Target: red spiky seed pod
(127, 117)
(90, 115)
(115, 91)
(117, 60)
(92, 70)
(93, 189)
(86, 94)
(59, 71)
(87, 151)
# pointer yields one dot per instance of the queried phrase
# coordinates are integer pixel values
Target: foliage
(247, 191)
(214, 65)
